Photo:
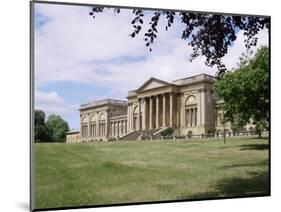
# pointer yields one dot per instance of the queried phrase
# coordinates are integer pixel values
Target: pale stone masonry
(187, 105)
(72, 136)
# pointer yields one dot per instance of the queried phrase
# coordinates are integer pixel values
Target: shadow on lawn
(254, 147)
(263, 163)
(256, 185)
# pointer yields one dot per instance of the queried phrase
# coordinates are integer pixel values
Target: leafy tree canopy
(58, 128)
(52, 130)
(246, 91)
(40, 129)
(209, 35)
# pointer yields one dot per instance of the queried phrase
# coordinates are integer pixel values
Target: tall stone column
(190, 117)
(144, 114)
(98, 127)
(128, 117)
(89, 124)
(178, 110)
(102, 129)
(80, 126)
(195, 117)
(186, 118)
(121, 127)
(157, 112)
(110, 129)
(164, 111)
(115, 128)
(118, 128)
(183, 114)
(171, 109)
(139, 115)
(107, 125)
(203, 107)
(199, 108)
(150, 112)
(126, 129)
(131, 117)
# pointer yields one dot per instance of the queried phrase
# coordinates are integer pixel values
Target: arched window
(101, 125)
(84, 126)
(191, 111)
(93, 125)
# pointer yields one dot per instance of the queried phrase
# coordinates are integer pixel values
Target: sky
(79, 59)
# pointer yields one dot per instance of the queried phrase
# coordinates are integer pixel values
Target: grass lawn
(140, 171)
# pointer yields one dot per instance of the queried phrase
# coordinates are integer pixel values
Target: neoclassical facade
(187, 105)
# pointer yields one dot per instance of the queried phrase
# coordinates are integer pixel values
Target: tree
(246, 91)
(41, 131)
(223, 120)
(209, 35)
(167, 132)
(58, 128)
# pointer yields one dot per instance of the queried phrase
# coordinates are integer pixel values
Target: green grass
(140, 171)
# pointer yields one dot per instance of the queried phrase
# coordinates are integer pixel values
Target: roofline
(195, 76)
(150, 79)
(103, 102)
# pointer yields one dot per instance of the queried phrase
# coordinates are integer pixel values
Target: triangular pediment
(152, 83)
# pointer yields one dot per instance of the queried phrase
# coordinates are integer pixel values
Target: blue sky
(79, 59)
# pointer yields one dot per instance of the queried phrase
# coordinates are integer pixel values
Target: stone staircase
(145, 134)
(131, 136)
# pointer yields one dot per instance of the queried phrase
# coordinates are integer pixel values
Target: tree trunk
(224, 133)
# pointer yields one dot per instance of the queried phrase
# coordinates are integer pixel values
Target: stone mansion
(187, 105)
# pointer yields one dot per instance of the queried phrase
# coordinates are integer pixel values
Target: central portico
(152, 106)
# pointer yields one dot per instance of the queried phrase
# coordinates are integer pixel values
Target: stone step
(136, 134)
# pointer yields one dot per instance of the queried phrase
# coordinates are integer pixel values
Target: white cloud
(52, 103)
(73, 47)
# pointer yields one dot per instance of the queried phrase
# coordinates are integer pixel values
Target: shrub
(167, 132)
